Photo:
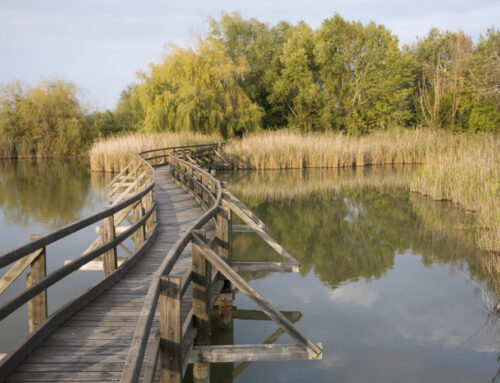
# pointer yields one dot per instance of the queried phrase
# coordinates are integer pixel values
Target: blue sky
(100, 44)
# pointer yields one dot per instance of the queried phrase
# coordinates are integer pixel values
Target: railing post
(170, 330)
(109, 262)
(140, 234)
(37, 306)
(148, 203)
(224, 239)
(202, 278)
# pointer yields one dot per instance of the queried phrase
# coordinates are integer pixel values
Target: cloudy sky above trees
(100, 44)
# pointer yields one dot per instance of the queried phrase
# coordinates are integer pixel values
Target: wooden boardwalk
(93, 344)
(149, 317)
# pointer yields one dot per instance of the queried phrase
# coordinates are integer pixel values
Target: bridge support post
(170, 330)
(202, 278)
(224, 237)
(109, 261)
(37, 306)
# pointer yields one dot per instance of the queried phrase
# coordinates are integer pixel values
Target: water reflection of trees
(356, 230)
(49, 192)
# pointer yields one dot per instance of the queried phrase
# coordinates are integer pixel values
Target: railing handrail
(137, 348)
(178, 147)
(102, 246)
(22, 251)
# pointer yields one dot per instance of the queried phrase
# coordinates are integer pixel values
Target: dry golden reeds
(289, 150)
(113, 154)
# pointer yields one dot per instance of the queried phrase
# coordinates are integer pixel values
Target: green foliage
(198, 90)
(296, 89)
(366, 79)
(245, 75)
(42, 121)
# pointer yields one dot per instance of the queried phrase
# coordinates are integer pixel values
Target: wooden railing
(181, 340)
(131, 215)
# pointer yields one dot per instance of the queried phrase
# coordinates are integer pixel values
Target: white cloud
(358, 294)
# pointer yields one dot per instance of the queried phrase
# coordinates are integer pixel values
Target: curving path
(92, 346)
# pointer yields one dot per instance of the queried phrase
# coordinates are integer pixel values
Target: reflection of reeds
(468, 174)
(113, 154)
(289, 184)
(460, 231)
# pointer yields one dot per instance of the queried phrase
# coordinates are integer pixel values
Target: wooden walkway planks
(93, 344)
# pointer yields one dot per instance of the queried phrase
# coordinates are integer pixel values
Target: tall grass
(288, 150)
(112, 154)
(468, 174)
(462, 168)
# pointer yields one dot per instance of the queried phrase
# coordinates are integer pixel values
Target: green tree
(297, 91)
(480, 103)
(42, 121)
(441, 60)
(198, 90)
(366, 79)
(259, 44)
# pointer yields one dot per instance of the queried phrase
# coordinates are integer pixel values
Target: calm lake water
(39, 197)
(391, 282)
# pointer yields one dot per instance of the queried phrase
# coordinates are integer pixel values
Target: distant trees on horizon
(245, 75)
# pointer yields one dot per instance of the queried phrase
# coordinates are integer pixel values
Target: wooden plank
(244, 210)
(266, 237)
(71, 367)
(246, 289)
(152, 360)
(292, 316)
(96, 264)
(250, 353)
(270, 340)
(242, 229)
(19, 353)
(63, 376)
(16, 270)
(265, 267)
(170, 330)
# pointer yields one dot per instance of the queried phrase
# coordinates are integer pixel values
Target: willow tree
(41, 121)
(366, 79)
(198, 90)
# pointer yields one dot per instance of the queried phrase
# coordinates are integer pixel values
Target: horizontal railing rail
(174, 341)
(133, 190)
(178, 167)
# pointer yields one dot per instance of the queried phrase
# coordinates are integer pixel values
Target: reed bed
(289, 150)
(462, 168)
(113, 154)
(468, 174)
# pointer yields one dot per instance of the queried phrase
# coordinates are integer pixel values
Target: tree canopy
(244, 75)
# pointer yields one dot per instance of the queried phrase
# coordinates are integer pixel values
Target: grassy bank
(112, 154)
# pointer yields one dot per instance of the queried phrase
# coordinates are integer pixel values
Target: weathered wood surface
(94, 343)
(249, 353)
